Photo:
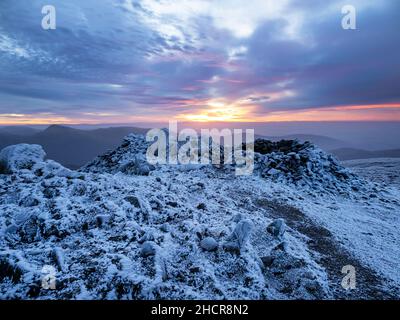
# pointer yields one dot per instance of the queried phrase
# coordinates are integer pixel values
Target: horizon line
(188, 121)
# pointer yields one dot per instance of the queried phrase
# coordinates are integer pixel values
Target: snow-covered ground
(119, 229)
(382, 170)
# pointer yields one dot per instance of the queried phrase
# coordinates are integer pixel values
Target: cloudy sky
(121, 61)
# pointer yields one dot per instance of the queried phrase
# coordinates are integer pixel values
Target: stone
(273, 172)
(102, 220)
(209, 244)
(242, 232)
(280, 247)
(29, 201)
(148, 249)
(232, 247)
(165, 227)
(148, 236)
(277, 228)
(137, 166)
(267, 261)
(173, 204)
(239, 237)
(11, 233)
(29, 230)
(133, 200)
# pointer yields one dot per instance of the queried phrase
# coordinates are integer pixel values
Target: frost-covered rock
(277, 228)
(302, 164)
(133, 200)
(240, 236)
(209, 244)
(29, 230)
(103, 220)
(58, 256)
(21, 156)
(242, 232)
(29, 201)
(273, 172)
(267, 261)
(138, 165)
(148, 249)
(285, 161)
(50, 168)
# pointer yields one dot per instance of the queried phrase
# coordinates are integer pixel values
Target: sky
(123, 61)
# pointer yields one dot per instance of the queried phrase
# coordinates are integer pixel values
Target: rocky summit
(119, 228)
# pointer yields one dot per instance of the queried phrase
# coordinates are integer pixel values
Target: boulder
(19, 157)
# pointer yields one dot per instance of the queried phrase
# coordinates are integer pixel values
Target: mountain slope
(382, 170)
(198, 233)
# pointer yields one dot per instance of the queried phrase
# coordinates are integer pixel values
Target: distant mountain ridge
(74, 147)
(341, 149)
(353, 154)
(69, 146)
(323, 142)
(19, 130)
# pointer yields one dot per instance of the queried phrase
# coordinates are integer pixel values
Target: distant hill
(7, 139)
(352, 154)
(341, 149)
(323, 142)
(69, 146)
(19, 130)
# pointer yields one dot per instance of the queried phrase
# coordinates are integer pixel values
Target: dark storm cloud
(340, 67)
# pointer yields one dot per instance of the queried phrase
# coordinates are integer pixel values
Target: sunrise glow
(222, 111)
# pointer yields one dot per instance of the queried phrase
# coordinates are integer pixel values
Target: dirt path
(333, 256)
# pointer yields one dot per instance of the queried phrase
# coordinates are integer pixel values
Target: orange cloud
(379, 112)
(242, 111)
(219, 110)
